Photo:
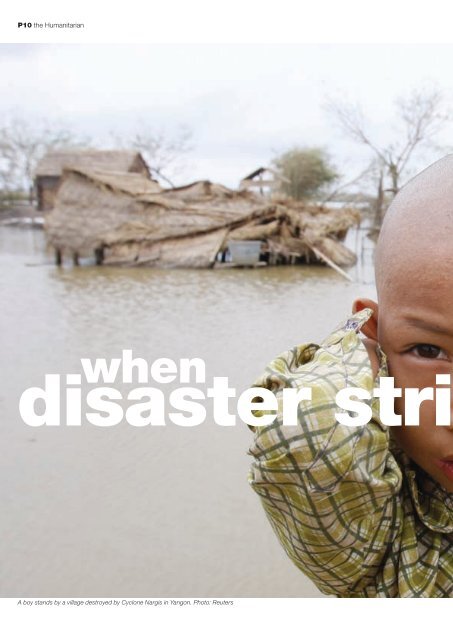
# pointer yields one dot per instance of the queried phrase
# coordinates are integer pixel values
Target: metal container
(245, 252)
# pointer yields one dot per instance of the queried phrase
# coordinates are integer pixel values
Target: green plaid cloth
(350, 509)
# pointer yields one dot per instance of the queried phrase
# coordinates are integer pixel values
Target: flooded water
(153, 511)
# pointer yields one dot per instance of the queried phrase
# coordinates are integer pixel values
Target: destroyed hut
(50, 168)
(127, 219)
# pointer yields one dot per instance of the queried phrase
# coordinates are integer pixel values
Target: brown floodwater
(151, 511)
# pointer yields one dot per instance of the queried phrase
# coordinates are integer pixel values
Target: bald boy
(368, 511)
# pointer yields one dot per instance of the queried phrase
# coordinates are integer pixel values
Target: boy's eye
(428, 351)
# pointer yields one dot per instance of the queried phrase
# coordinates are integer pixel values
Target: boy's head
(413, 319)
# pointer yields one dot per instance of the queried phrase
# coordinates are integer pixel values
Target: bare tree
(22, 144)
(163, 153)
(342, 188)
(420, 117)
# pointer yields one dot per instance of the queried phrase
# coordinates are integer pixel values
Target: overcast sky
(244, 103)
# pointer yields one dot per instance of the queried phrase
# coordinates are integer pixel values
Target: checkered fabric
(350, 509)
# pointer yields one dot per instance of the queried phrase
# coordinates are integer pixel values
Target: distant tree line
(308, 173)
(24, 142)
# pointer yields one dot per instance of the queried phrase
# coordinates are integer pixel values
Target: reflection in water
(161, 511)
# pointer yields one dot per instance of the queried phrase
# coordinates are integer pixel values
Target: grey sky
(243, 102)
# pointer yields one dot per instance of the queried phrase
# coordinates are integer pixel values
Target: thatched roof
(186, 226)
(201, 190)
(54, 162)
(135, 184)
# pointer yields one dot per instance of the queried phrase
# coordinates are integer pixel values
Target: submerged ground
(156, 511)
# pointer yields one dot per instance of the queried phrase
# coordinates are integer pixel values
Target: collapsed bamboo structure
(128, 219)
(49, 171)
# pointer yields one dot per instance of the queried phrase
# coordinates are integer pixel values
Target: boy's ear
(370, 329)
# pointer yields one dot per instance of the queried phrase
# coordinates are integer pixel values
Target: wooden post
(379, 207)
(99, 255)
(58, 257)
(332, 264)
(75, 259)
